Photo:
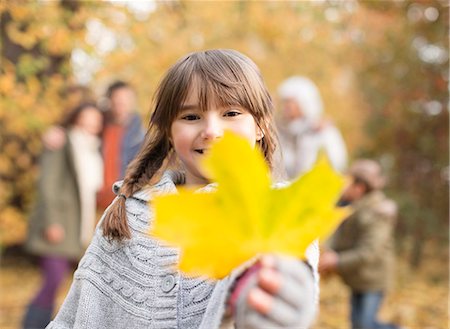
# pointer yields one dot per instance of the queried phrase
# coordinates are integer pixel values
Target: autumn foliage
(382, 68)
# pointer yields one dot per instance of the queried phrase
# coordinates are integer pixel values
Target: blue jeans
(364, 311)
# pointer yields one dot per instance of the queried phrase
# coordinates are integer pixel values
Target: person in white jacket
(303, 132)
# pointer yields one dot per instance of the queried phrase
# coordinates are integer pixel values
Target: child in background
(362, 248)
(127, 278)
(64, 218)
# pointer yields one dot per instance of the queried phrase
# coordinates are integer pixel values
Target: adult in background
(303, 132)
(122, 137)
(362, 249)
(64, 217)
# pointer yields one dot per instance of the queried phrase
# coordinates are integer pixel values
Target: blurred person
(63, 220)
(303, 132)
(73, 95)
(121, 138)
(361, 251)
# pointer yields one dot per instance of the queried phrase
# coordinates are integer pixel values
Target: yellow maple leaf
(245, 216)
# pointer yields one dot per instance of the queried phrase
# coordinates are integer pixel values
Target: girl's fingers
(272, 310)
(285, 288)
(268, 261)
(286, 265)
(280, 295)
(269, 280)
(290, 282)
(280, 311)
(260, 300)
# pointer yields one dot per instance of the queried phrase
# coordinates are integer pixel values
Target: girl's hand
(279, 294)
(54, 233)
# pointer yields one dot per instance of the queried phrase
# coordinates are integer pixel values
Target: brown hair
(225, 77)
(72, 117)
(72, 96)
(116, 85)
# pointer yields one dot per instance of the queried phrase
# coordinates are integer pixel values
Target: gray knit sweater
(133, 284)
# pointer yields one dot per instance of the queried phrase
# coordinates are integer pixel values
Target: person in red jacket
(121, 138)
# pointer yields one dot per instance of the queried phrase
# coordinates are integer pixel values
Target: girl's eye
(190, 117)
(232, 113)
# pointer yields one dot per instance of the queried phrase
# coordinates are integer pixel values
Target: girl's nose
(212, 128)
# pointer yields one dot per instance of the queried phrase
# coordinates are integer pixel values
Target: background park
(382, 68)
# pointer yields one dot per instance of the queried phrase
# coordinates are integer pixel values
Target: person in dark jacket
(121, 139)
(361, 250)
(64, 217)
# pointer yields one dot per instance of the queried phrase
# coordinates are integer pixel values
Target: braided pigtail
(147, 164)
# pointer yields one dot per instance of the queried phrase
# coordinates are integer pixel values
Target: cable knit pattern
(138, 277)
(135, 283)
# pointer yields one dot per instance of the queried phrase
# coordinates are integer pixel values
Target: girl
(64, 217)
(126, 278)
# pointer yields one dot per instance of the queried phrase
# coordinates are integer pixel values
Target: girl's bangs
(221, 92)
(219, 80)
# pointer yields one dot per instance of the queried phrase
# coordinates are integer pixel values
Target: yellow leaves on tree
(245, 216)
(60, 42)
(7, 82)
(25, 39)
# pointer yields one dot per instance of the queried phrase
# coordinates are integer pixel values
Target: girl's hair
(223, 77)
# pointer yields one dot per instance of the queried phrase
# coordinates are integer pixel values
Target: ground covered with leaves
(419, 298)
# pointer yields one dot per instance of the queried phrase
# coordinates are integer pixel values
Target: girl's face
(90, 120)
(193, 130)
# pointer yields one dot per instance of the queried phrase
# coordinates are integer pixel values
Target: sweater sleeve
(312, 258)
(214, 316)
(67, 315)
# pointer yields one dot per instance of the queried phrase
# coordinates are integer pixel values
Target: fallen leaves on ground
(418, 300)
